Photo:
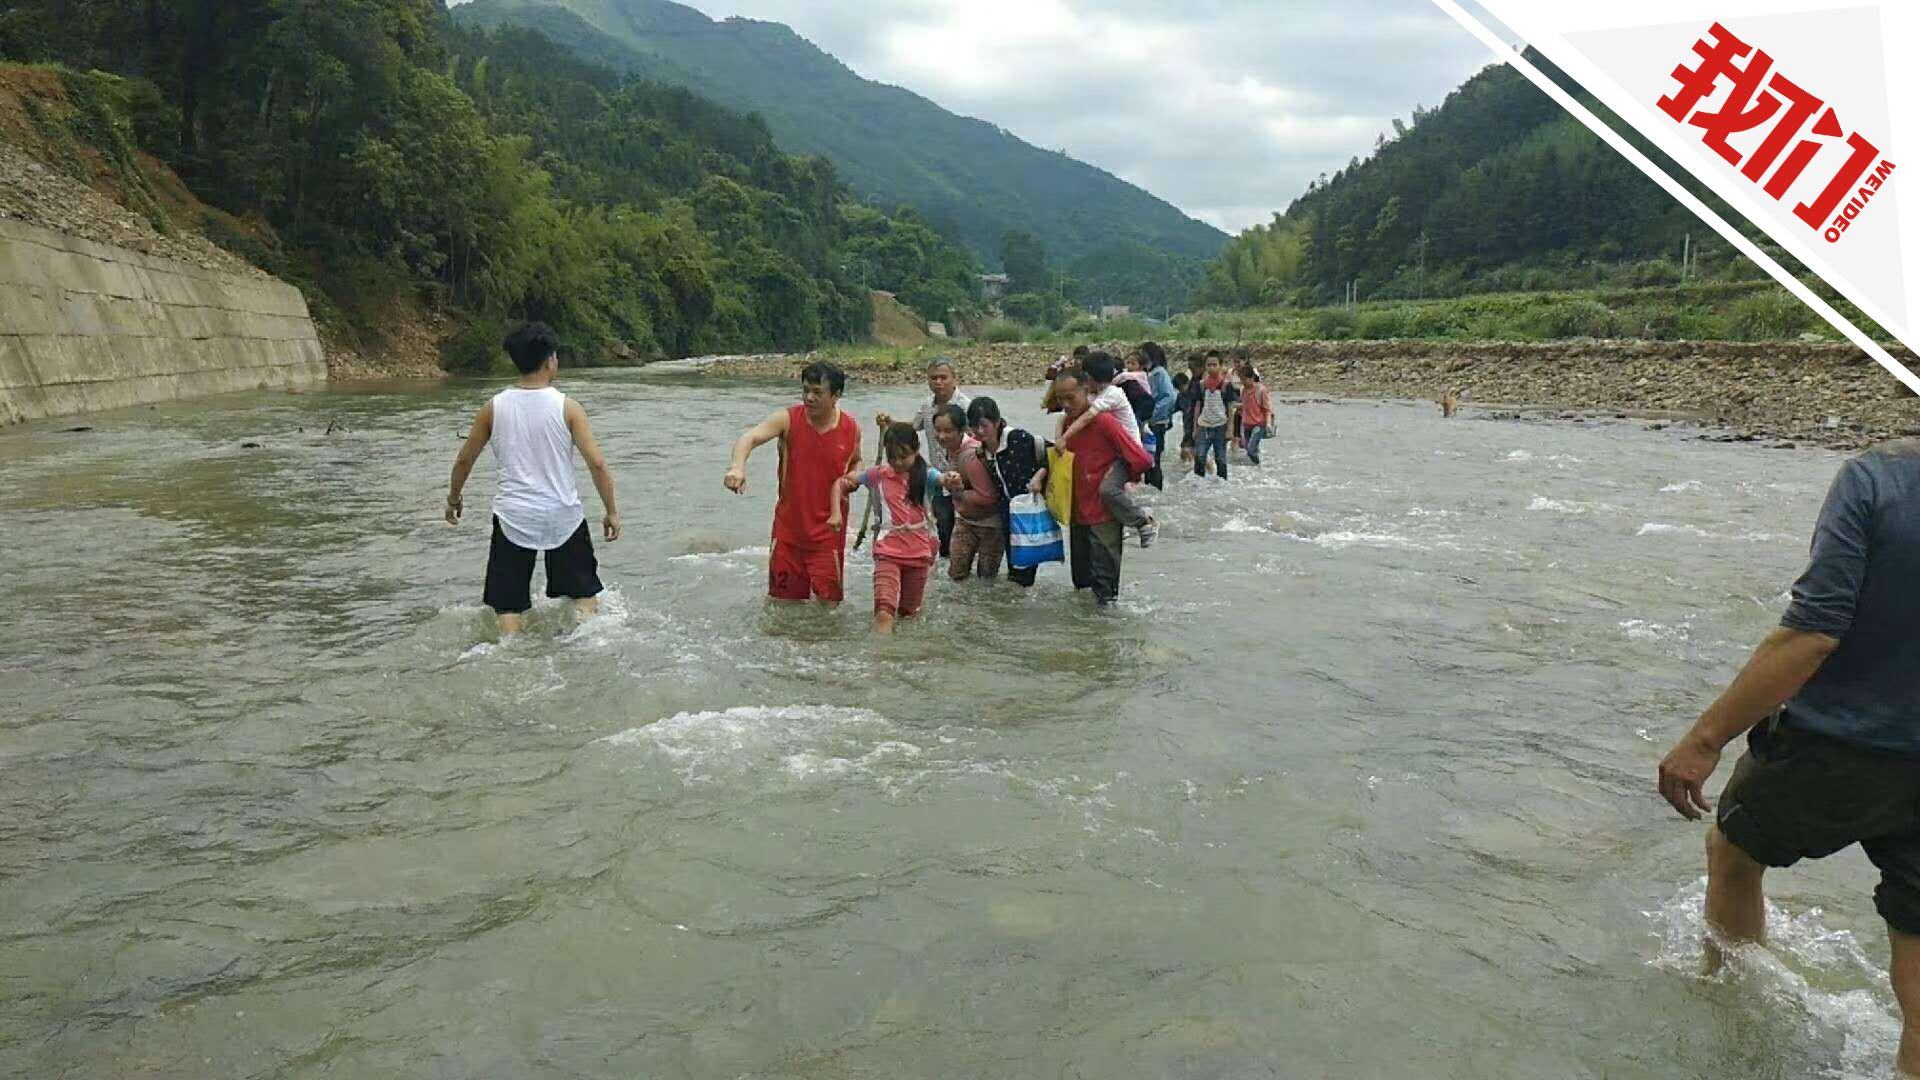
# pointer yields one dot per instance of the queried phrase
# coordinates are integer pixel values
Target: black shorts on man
(572, 571)
(1797, 794)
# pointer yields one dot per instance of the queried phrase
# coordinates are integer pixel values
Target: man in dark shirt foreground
(1832, 702)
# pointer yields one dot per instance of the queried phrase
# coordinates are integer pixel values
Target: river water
(1356, 782)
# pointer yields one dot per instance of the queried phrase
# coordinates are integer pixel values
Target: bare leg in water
(1737, 914)
(585, 608)
(1736, 901)
(1905, 971)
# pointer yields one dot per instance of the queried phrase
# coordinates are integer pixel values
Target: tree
(1025, 262)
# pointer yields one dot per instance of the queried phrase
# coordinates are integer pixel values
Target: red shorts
(796, 573)
(899, 588)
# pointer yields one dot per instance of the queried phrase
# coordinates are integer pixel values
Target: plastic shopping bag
(1033, 536)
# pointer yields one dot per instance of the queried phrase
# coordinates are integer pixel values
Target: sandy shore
(1780, 394)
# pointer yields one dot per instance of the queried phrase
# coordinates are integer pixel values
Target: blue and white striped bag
(1033, 537)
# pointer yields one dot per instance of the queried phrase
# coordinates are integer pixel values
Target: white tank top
(537, 504)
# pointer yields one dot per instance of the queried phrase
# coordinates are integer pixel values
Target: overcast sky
(1225, 108)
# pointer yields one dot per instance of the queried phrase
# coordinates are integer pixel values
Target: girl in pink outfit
(1136, 373)
(906, 547)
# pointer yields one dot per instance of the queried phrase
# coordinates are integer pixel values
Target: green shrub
(1562, 319)
(1035, 309)
(1668, 321)
(1774, 315)
(1334, 324)
(1131, 328)
(263, 253)
(477, 349)
(1005, 332)
(1382, 324)
(1433, 321)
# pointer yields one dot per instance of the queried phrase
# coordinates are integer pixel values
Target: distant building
(1116, 311)
(994, 286)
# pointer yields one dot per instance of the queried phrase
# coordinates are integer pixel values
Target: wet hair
(1081, 352)
(984, 408)
(1213, 354)
(531, 345)
(821, 373)
(940, 362)
(1196, 362)
(955, 415)
(903, 437)
(1101, 367)
(1182, 381)
(1153, 354)
(1249, 372)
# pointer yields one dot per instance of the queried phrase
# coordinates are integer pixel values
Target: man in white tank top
(534, 430)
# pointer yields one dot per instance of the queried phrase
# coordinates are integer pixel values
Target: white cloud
(1225, 109)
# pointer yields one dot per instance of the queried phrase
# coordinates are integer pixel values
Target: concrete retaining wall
(86, 327)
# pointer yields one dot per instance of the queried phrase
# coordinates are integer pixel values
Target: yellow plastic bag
(1060, 485)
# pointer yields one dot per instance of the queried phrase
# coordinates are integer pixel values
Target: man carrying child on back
(1106, 398)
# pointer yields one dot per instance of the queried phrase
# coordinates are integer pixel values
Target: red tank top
(809, 464)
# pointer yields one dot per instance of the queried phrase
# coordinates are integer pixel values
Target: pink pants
(899, 588)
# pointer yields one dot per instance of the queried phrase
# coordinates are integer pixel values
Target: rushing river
(1356, 782)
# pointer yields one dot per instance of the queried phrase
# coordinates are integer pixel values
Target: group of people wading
(1829, 703)
(945, 483)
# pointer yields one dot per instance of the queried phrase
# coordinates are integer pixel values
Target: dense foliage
(1497, 189)
(1150, 281)
(497, 175)
(967, 176)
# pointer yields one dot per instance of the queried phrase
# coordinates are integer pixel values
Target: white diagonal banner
(1789, 110)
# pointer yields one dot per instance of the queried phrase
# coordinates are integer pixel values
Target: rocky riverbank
(1799, 394)
(38, 194)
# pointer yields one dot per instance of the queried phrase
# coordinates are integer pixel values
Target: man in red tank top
(818, 445)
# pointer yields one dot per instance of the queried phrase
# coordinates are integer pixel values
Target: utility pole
(1686, 257)
(1421, 244)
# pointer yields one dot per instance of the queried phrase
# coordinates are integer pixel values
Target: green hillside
(1495, 190)
(386, 159)
(966, 176)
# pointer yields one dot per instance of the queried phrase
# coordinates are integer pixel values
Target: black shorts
(1800, 795)
(572, 572)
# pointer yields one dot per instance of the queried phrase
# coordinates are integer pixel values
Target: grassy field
(1714, 311)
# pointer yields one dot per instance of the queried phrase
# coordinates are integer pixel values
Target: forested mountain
(386, 154)
(1498, 188)
(967, 176)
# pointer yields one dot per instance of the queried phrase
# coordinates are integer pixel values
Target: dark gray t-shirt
(1863, 587)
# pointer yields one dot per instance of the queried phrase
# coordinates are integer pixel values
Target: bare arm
(1080, 424)
(1779, 668)
(463, 462)
(841, 489)
(773, 427)
(596, 466)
